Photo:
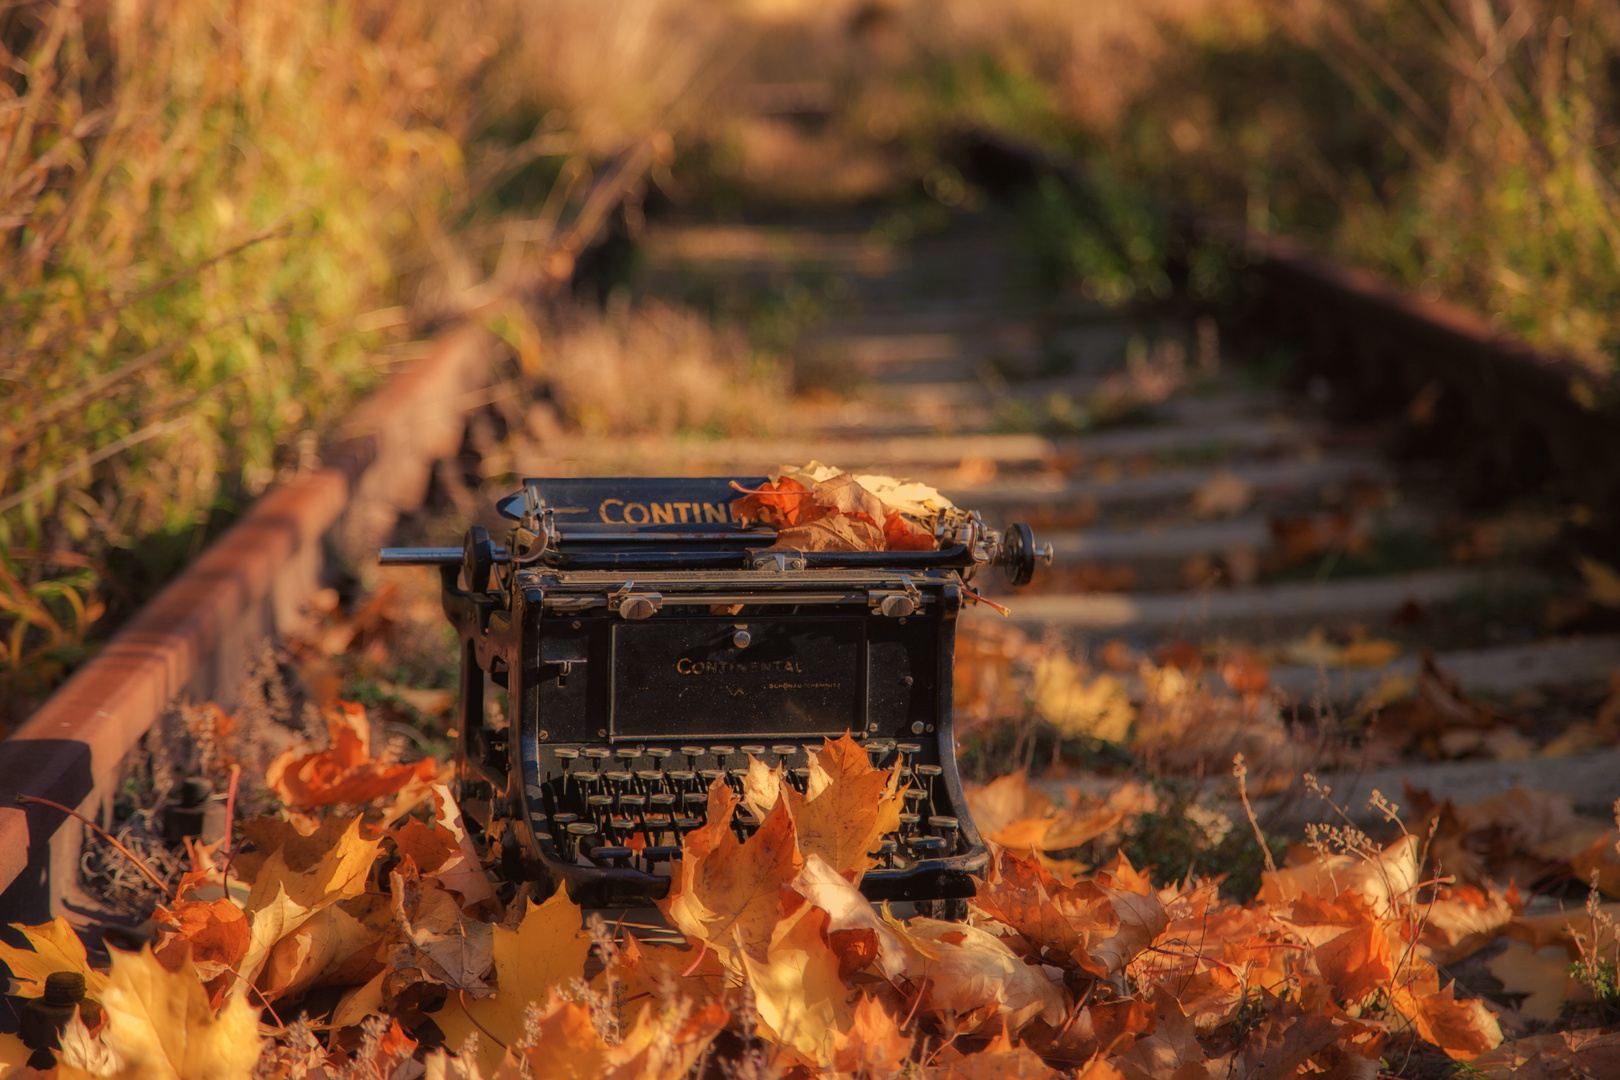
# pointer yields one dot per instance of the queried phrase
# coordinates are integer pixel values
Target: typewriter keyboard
(629, 807)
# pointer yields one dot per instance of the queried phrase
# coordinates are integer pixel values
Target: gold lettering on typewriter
(670, 513)
(687, 666)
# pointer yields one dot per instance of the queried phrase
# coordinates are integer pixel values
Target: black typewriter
(629, 644)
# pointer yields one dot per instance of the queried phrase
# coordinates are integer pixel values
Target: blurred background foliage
(220, 223)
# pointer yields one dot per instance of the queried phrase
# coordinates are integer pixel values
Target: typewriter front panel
(634, 718)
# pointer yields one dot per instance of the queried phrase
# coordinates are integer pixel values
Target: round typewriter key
(581, 828)
(600, 806)
(662, 799)
(687, 824)
(908, 823)
(711, 775)
(627, 753)
(927, 847)
(722, 752)
(886, 852)
(928, 772)
(909, 748)
(682, 778)
(596, 755)
(784, 750)
(695, 798)
(564, 820)
(692, 753)
(633, 802)
(619, 778)
(659, 755)
(566, 753)
(650, 778)
(753, 751)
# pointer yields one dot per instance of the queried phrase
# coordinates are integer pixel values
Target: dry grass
(658, 369)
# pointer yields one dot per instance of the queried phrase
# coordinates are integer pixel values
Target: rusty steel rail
(197, 636)
(195, 639)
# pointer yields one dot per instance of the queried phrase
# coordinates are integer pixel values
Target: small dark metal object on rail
(43, 1018)
(629, 644)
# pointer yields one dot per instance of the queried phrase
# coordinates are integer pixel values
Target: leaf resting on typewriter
(819, 508)
(729, 893)
(847, 808)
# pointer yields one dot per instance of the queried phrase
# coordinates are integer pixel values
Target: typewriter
(629, 643)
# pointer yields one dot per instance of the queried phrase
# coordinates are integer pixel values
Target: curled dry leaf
(819, 508)
(440, 943)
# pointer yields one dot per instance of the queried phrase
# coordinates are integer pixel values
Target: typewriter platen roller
(628, 644)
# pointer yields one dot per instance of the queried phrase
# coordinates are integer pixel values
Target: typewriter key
(662, 801)
(908, 823)
(620, 780)
(947, 828)
(659, 755)
(692, 753)
(722, 752)
(619, 856)
(657, 854)
(695, 798)
(683, 779)
(566, 754)
(753, 751)
(711, 775)
(927, 847)
(650, 779)
(784, 751)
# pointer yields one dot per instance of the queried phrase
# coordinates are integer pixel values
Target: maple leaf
(834, 532)
(330, 939)
(441, 944)
(160, 1026)
(1382, 880)
(874, 1046)
(1064, 920)
(1587, 1052)
(855, 930)
(802, 1000)
(444, 851)
(1170, 1050)
(298, 879)
(728, 892)
(1279, 1047)
(53, 947)
(970, 977)
(345, 772)
(214, 933)
(547, 949)
(1463, 1029)
(1142, 917)
(847, 806)
(1001, 1059)
(563, 1043)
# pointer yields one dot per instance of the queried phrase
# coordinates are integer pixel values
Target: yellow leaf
(664, 1044)
(1602, 581)
(848, 806)
(801, 1000)
(55, 948)
(160, 1026)
(973, 978)
(725, 892)
(1095, 709)
(547, 949)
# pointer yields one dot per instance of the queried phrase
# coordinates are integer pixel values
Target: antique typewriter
(629, 644)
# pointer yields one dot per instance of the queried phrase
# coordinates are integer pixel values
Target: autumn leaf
(1462, 1028)
(999, 1060)
(855, 930)
(53, 947)
(874, 1047)
(345, 772)
(441, 943)
(802, 1000)
(547, 949)
(1063, 921)
(1589, 1052)
(562, 1042)
(160, 1026)
(727, 892)
(969, 977)
(847, 806)
(444, 851)
(213, 933)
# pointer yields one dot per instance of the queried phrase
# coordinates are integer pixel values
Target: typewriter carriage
(643, 645)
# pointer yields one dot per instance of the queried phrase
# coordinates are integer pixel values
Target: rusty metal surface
(196, 636)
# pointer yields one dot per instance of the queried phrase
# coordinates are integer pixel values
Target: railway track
(1188, 500)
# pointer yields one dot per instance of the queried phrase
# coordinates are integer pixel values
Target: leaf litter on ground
(346, 938)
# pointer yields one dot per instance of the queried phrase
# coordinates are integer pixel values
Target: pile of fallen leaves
(344, 940)
(820, 508)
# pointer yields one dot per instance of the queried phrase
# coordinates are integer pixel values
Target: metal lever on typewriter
(477, 556)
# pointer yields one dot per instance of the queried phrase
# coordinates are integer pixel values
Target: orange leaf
(344, 772)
